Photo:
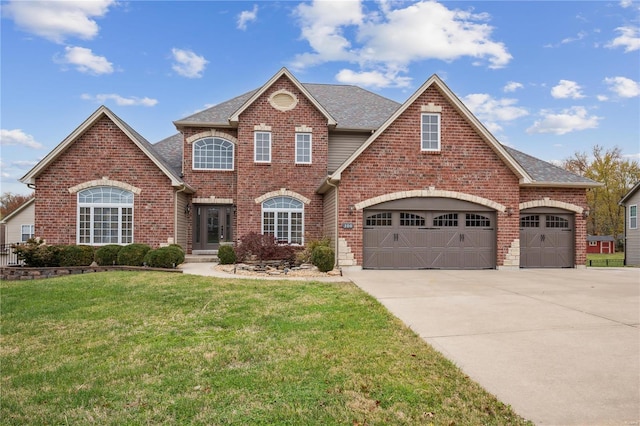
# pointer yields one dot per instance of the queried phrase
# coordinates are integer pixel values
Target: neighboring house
(19, 227)
(601, 244)
(421, 184)
(630, 203)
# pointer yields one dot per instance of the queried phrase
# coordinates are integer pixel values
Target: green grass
(139, 348)
(600, 260)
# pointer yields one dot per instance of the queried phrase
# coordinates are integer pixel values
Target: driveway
(561, 346)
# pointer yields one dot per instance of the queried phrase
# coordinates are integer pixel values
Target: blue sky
(547, 78)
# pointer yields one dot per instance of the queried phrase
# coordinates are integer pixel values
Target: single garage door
(419, 239)
(546, 239)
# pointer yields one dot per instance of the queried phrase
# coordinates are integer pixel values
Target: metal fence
(8, 257)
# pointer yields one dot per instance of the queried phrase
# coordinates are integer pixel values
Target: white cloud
(389, 39)
(247, 16)
(491, 112)
(188, 64)
(567, 89)
(85, 61)
(578, 37)
(623, 86)
(629, 38)
(626, 3)
(375, 79)
(512, 86)
(18, 137)
(119, 100)
(58, 20)
(602, 98)
(569, 120)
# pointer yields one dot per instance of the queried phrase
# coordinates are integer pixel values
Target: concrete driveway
(562, 347)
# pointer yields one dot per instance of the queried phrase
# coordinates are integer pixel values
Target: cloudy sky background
(547, 78)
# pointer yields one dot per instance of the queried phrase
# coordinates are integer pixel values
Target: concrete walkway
(562, 347)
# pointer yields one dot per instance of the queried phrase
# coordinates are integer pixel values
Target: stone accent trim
(345, 256)
(546, 202)
(282, 192)
(512, 258)
(430, 107)
(105, 181)
(431, 192)
(262, 128)
(304, 129)
(212, 200)
(283, 100)
(214, 134)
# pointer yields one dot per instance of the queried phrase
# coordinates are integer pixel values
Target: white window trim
(277, 210)
(193, 155)
(92, 207)
(430, 114)
(593, 243)
(310, 147)
(255, 147)
(31, 233)
(634, 217)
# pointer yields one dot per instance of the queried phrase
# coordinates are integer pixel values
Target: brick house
(421, 184)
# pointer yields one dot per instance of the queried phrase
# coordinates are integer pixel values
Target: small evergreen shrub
(227, 255)
(179, 253)
(163, 257)
(108, 255)
(323, 257)
(76, 255)
(35, 253)
(133, 254)
(304, 256)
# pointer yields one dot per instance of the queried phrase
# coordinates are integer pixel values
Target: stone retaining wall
(24, 273)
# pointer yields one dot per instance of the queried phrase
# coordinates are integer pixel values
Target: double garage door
(396, 238)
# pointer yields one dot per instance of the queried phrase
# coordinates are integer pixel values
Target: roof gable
(17, 211)
(235, 117)
(435, 81)
(630, 194)
(134, 136)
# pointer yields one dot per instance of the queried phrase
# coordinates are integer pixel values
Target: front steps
(208, 257)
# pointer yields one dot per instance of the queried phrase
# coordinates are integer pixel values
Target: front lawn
(153, 348)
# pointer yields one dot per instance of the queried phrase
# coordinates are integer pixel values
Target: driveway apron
(561, 346)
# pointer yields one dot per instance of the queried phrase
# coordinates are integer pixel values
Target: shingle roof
(600, 238)
(171, 150)
(351, 106)
(542, 171)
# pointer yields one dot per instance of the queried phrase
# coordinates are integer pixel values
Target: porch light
(187, 209)
(586, 212)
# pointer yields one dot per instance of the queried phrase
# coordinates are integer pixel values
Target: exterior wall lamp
(509, 211)
(586, 212)
(352, 209)
(187, 209)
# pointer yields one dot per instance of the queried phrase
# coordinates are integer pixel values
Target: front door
(211, 226)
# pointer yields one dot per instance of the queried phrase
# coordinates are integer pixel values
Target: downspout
(335, 239)
(175, 219)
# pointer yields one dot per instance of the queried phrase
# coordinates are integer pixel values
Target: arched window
(283, 217)
(105, 216)
(212, 154)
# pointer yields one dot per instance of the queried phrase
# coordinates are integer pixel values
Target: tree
(618, 175)
(10, 202)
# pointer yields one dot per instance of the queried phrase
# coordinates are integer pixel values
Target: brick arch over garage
(431, 193)
(546, 202)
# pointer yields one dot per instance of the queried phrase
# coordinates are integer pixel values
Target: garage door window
(477, 221)
(449, 219)
(410, 219)
(556, 222)
(532, 221)
(379, 219)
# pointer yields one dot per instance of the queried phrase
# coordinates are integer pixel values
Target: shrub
(264, 247)
(108, 255)
(133, 254)
(35, 253)
(76, 255)
(179, 253)
(304, 256)
(323, 258)
(226, 255)
(163, 257)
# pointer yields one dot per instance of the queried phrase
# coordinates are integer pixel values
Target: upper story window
(213, 154)
(26, 232)
(262, 147)
(430, 132)
(303, 148)
(105, 216)
(633, 217)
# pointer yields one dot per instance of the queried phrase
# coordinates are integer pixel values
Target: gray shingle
(171, 150)
(541, 171)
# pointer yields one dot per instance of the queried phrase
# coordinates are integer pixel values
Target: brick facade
(103, 151)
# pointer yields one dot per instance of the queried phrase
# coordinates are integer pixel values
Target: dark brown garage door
(546, 240)
(429, 240)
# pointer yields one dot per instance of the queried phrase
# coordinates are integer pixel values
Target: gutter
(335, 239)
(175, 218)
